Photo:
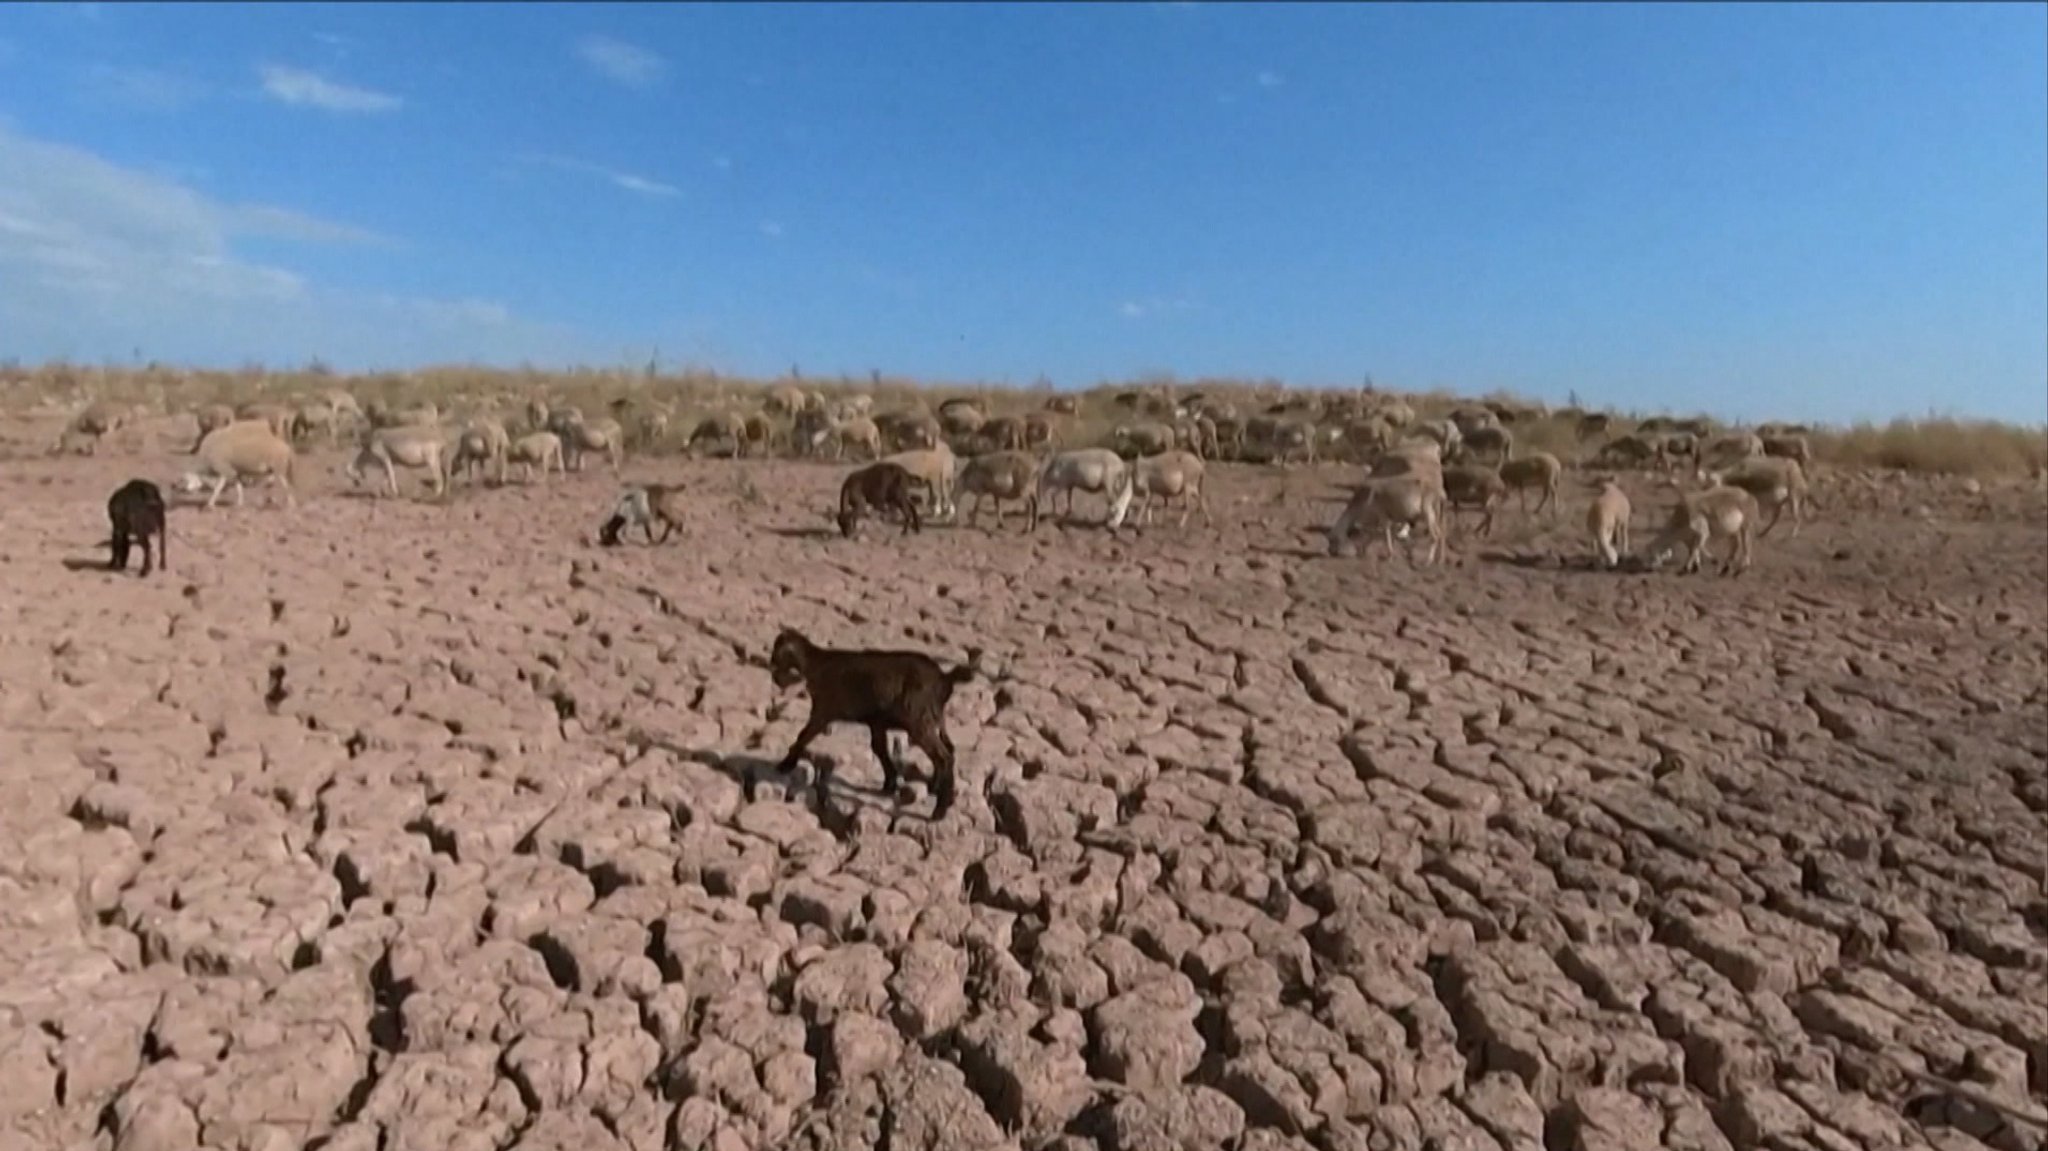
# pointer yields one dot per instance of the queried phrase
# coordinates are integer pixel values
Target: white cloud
(1271, 79)
(299, 87)
(771, 229)
(626, 180)
(722, 163)
(146, 89)
(628, 64)
(97, 258)
(1135, 309)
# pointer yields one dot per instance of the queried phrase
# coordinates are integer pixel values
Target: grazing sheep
(1777, 484)
(859, 430)
(1491, 439)
(723, 427)
(917, 432)
(1063, 405)
(1289, 436)
(1732, 449)
(1040, 430)
(1537, 471)
(421, 415)
(282, 418)
(881, 486)
(1469, 420)
(644, 505)
(1678, 447)
(245, 449)
(886, 691)
(960, 418)
(1003, 434)
(786, 400)
(935, 466)
(1444, 432)
(1135, 440)
(1789, 447)
(1474, 486)
(1607, 521)
(1593, 424)
(580, 436)
(1411, 457)
(536, 449)
(1635, 448)
(1395, 412)
(211, 418)
(762, 434)
(1090, 470)
(1404, 501)
(136, 510)
(999, 476)
(482, 440)
(1698, 517)
(1197, 433)
(391, 448)
(92, 423)
(1173, 475)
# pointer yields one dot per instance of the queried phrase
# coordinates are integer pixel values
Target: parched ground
(394, 825)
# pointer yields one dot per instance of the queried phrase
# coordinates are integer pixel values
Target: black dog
(137, 510)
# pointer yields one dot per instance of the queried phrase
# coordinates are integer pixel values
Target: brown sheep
(880, 486)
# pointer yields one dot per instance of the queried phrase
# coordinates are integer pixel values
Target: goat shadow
(81, 564)
(805, 533)
(1572, 562)
(798, 783)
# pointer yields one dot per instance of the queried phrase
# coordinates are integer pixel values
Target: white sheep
(580, 435)
(999, 476)
(1777, 483)
(245, 449)
(1406, 501)
(536, 449)
(1698, 518)
(1090, 470)
(483, 440)
(935, 466)
(1176, 474)
(1539, 471)
(1607, 520)
(394, 447)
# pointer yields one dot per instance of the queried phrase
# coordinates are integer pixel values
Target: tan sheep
(999, 476)
(482, 441)
(245, 449)
(1172, 475)
(1474, 486)
(536, 449)
(1537, 471)
(1777, 484)
(580, 436)
(935, 466)
(1135, 440)
(1698, 518)
(1790, 446)
(1403, 501)
(92, 423)
(394, 447)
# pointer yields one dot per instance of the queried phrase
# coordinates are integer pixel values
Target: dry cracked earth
(395, 825)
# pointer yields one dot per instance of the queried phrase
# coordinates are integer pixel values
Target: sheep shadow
(805, 533)
(1578, 562)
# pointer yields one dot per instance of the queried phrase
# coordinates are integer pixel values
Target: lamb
(1535, 471)
(645, 505)
(395, 447)
(137, 511)
(1004, 475)
(1776, 483)
(540, 449)
(483, 440)
(886, 691)
(881, 486)
(1698, 517)
(1404, 500)
(241, 450)
(1607, 520)
(93, 422)
(1174, 475)
(1474, 486)
(1092, 470)
(934, 465)
(580, 436)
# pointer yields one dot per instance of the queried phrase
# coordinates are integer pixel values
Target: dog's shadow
(82, 564)
(805, 533)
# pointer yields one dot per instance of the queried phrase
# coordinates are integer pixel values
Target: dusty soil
(389, 824)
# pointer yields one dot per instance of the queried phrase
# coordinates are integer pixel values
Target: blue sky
(1825, 211)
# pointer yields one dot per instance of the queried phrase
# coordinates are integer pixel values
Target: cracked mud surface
(393, 825)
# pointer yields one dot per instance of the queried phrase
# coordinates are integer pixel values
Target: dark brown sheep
(880, 487)
(886, 691)
(137, 511)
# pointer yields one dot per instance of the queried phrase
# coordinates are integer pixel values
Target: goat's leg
(143, 539)
(937, 747)
(119, 562)
(878, 740)
(812, 729)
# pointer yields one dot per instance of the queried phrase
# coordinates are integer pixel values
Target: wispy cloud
(144, 89)
(771, 229)
(310, 89)
(96, 256)
(627, 180)
(1137, 309)
(617, 60)
(1270, 79)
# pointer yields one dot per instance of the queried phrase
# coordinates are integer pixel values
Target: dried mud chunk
(1026, 1085)
(1146, 1038)
(1172, 1119)
(929, 989)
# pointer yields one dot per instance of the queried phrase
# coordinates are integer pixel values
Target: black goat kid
(904, 691)
(137, 511)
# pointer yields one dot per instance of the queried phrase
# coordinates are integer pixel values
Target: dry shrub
(1937, 445)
